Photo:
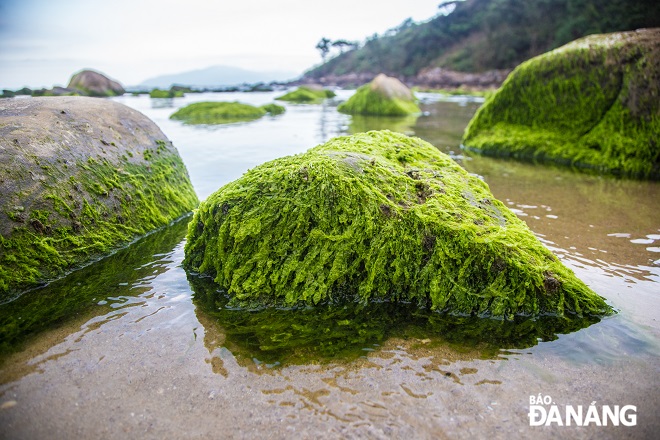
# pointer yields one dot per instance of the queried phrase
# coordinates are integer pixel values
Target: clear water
(133, 346)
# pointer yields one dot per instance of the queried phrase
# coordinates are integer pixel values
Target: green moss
(84, 217)
(377, 216)
(273, 109)
(366, 101)
(591, 104)
(307, 95)
(160, 94)
(217, 113)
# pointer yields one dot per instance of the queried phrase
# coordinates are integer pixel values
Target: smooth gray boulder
(91, 83)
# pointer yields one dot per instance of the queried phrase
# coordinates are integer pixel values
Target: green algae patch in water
(307, 95)
(166, 94)
(377, 216)
(384, 96)
(273, 109)
(344, 331)
(592, 104)
(219, 112)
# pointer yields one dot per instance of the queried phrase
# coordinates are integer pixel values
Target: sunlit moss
(305, 94)
(377, 216)
(594, 103)
(217, 112)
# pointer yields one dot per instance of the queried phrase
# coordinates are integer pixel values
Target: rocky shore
(431, 78)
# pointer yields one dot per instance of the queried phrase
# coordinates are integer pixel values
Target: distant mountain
(216, 76)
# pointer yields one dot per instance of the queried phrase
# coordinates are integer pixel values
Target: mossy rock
(166, 94)
(593, 104)
(307, 94)
(377, 216)
(384, 96)
(273, 109)
(91, 83)
(80, 177)
(220, 112)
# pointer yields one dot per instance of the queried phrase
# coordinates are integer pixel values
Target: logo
(544, 412)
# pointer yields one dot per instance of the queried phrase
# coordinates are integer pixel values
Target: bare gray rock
(92, 83)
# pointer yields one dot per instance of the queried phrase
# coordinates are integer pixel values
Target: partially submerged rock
(593, 103)
(91, 83)
(80, 177)
(219, 112)
(385, 96)
(273, 109)
(377, 216)
(307, 94)
(166, 94)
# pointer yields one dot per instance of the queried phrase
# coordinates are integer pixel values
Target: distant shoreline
(432, 78)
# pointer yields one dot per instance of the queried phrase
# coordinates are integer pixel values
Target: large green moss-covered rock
(594, 103)
(384, 96)
(80, 177)
(377, 216)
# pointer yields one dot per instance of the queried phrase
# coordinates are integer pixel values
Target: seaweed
(377, 216)
(592, 104)
(384, 96)
(307, 95)
(101, 206)
(218, 112)
(273, 109)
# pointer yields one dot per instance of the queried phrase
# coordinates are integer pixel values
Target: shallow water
(129, 347)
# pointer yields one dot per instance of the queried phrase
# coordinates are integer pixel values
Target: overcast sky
(43, 42)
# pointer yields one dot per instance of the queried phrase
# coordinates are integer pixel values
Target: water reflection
(400, 124)
(90, 291)
(277, 336)
(162, 102)
(588, 215)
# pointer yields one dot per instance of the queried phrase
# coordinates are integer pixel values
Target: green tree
(324, 47)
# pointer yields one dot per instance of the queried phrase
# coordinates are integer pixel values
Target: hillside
(485, 35)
